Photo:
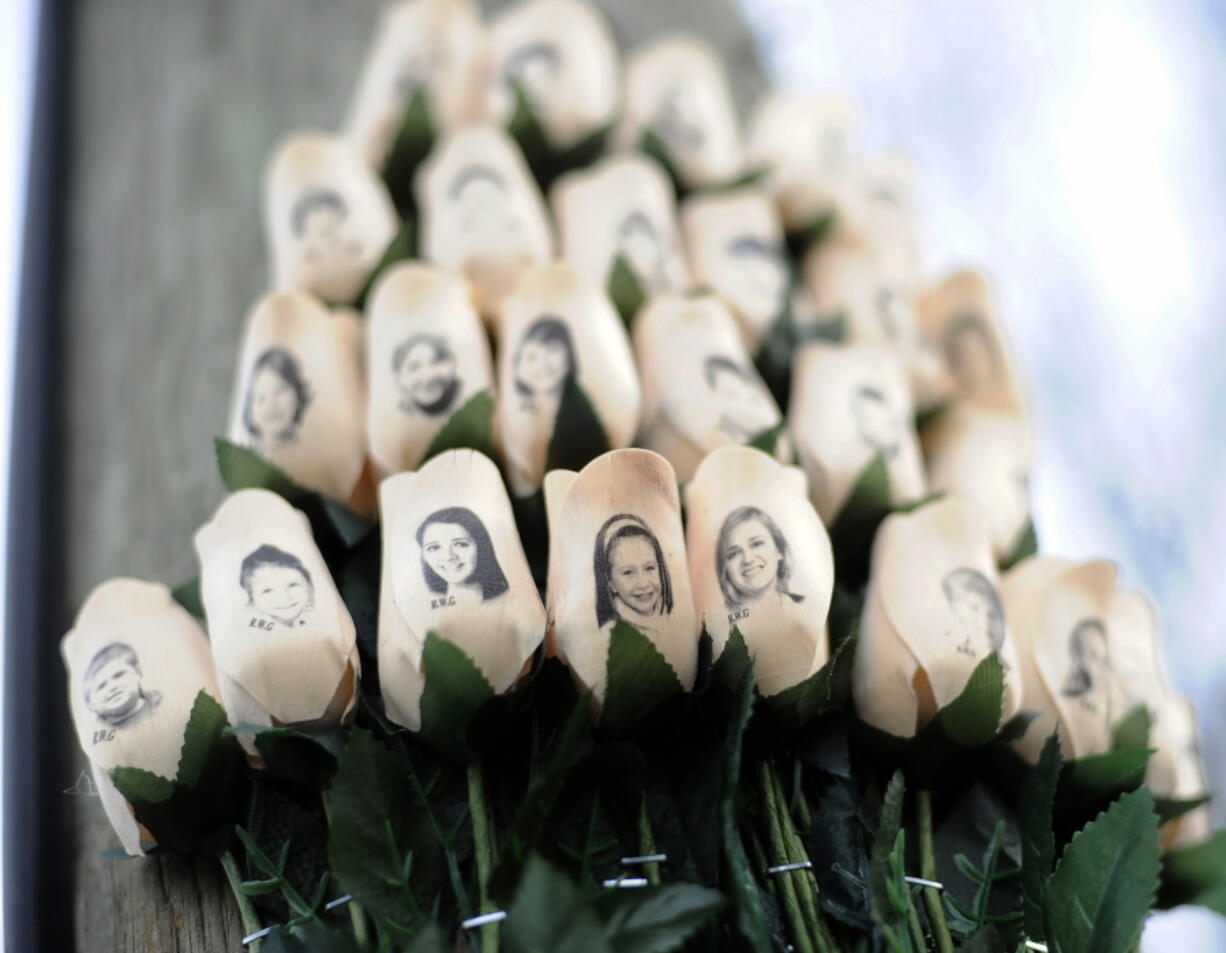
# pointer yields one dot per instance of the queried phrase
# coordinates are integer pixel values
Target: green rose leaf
(1038, 842)
(205, 730)
(655, 919)
(454, 690)
(651, 145)
(1132, 731)
(1196, 874)
(1110, 772)
(1168, 809)
(140, 787)
(1027, 545)
(546, 160)
(187, 594)
(868, 503)
(309, 758)
(413, 142)
(1105, 883)
(883, 889)
(775, 352)
(639, 678)
(768, 440)
(625, 290)
(549, 913)
(972, 718)
(400, 248)
(799, 240)
(826, 689)
(578, 435)
(472, 427)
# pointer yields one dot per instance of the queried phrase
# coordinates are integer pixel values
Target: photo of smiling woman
(277, 400)
(112, 688)
(278, 587)
(544, 363)
(632, 580)
(976, 605)
(457, 558)
(1090, 676)
(425, 369)
(751, 559)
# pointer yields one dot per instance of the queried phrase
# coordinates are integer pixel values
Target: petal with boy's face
(621, 558)
(700, 389)
(482, 214)
(623, 205)
(737, 249)
(453, 565)
(848, 405)
(677, 88)
(428, 46)
(427, 355)
(327, 216)
(561, 54)
(557, 330)
(300, 393)
(760, 560)
(282, 639)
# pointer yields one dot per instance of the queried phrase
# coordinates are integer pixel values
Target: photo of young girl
(632, 579)
(276, 402)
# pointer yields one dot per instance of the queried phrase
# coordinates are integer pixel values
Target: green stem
(647, 843)
(806, 882)
(928, 870)
(246, 909)
(358, 917)
(788, 893)
(913, 921)
(483, 847)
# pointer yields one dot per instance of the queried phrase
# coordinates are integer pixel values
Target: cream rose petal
(282, 638)
(557, 328)
(327, 216)
(700, 389)
(481, 212)
(760, 559)
(881, 205)
(622, 556)
(562, 55)
(427, 356)
(300, 392)
(849, 404)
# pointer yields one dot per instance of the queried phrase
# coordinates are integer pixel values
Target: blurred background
(1076, 151)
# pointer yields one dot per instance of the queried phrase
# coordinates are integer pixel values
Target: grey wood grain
(174, 107)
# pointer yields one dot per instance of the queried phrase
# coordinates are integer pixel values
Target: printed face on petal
(450, 551)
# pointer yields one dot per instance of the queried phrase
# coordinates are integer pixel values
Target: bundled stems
(928, 870)
(246, 909)
(483, 848)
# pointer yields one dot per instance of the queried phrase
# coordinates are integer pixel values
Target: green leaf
(578, 435)
(1038, 842)
(455, 689)
(639, 678)
(1016, 727)
(625, 290)
(1168, 809)
(1132, 731)
(139, 786)
(413, 142)
(399, 249)
(1105, 883)
(930, 415)
(827, 688)
(889, 827)
(652, 145)
(853, 529)
(429, 939)
(815, 232)
(1027, 545)
(768, 440)
(550, 916)
(1110, 772)
(972, 718)
(774, 357)
(546, 160)
(205, 727)
(471, 426)
(655, 919)
(309, 758)
(985, 940)
(1196, 874)
(187, 594)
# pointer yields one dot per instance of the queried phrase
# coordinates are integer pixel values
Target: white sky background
(1076, 150)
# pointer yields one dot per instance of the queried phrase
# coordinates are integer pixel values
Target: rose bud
(283, 640)
(452, 565)
(327, 216)
(881, 206)
(299, 396)
(983, 457)
(737, 249)
(677, 89)
(428, 46)
(561, 54)
(760, 560)
(557, 331)
(623, 205)
(932, 614)
(1177, 771)
(959, 317)
(427, 355)
(805, 144)
(136, 661)
(848, 406)
(619, 557)
(700, 390)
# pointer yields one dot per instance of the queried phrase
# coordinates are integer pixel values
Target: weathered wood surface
(173, 109)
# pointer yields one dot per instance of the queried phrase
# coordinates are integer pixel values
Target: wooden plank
(174, 107)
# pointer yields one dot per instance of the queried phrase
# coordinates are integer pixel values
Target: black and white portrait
(976, 605)
(113, 691)
(1089, 673)
(876, 422)
(458, 561)
(277, 400)
(674, 123)
(892, 312)
(971, 352)
(535, 68)
(761, 272)
(544, 363)
(640, 243)
(317, 220)
(632, 579)
(482, 203)
(278, 587)
(745, 409)
(752, 559)
(425, 369)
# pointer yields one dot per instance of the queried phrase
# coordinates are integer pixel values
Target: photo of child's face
(320, 227)
(635, 574)
(534, 68)
(114, 690)
(273, 403)
(761, 273)
(542, 365)
(482, 209)
(751, 558)
(426, 375)
(876, 422)
(281, 593)
(450, 551)
(971, 598)
(678, 119)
